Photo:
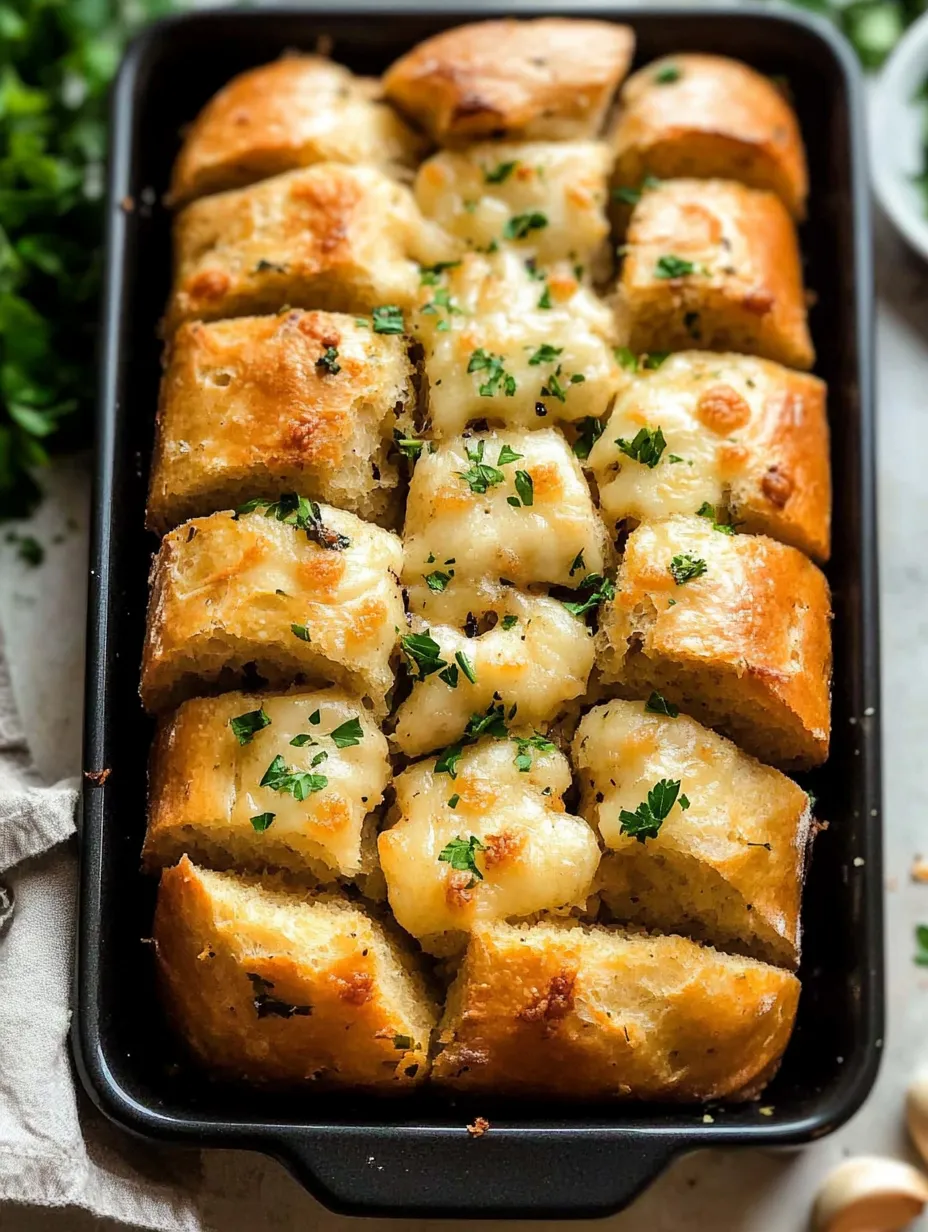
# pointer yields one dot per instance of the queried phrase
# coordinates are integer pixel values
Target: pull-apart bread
(542, 200)
(292, 113)
(261, 405)
(593, 1013)
(481, 834)
(513, 343)
(709, 117)
(497, 509)
(330, 237)
(741, 441)
(732, 629)
(271, 986)
(700, 838)
(536, 657)
(261, 781)
(551, 79)
(294, 591)
(714, 265)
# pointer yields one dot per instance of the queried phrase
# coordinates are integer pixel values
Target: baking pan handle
(504, 1172)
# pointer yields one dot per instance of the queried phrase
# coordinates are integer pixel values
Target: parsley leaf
(500, 173)
(648, 817)
(328, 361)
(454, 801)
(481, 475)
(921, 939)
(348, 733)
(422, 653)
(493, 365)
(525, 486)
(591, 430)
(447, 762)
(507, 454)
(706, 510)
(388, 319)
(658, 704)
(262, 821)
(629, 195)
(519, 226)
(437, 580)
(645, 447)
(685, 567)
(546, 354)
(466, 665)
(244, 726)
(297, 783)
(578, 563)
(544, 299)
(670, 266)
(666, 75)
(301, 632)
(461, 854)
(510, 622)
(654, 359)
(411, 446)
(601, 589)
(430, 275)
(304, 514)
(523, 759)
(492, 723)
(626, 358)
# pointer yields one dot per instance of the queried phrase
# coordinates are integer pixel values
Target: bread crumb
(478, 1127)
(859, 861)
(767, 1110)
(97, 777)
(708, 1120)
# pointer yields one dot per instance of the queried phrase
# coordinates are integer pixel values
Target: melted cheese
(560, 357)
(538, 664)
(483, 535)
(562, 187)
(536, 857)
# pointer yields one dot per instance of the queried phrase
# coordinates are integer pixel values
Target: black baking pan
(414, 1157)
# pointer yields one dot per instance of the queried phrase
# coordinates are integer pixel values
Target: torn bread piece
(738, 440)
(543, 200)
(513, 343)
(262, 781)
(481, 834)
(272, 986)
(329, 237)
(580, 1012)
(302, 400)
(709, 117)
(733, 629)
(285, 115)
(700, 838)
(549, 79)
(292, 591)
(715, 265)
(498, 505)
(537, 657)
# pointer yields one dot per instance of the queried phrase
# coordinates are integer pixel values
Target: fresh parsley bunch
(57, 58)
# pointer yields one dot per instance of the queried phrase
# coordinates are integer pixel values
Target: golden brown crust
(712, 118)
(754, 439)
(277, 988)
(591, 1013)
(330, 237)
(550, 79)
(227, 592)
(740, 287)
(250, 407)
(744, 647)
(294, 112)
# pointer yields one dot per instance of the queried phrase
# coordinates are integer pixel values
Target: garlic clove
(870, 1194)
(916, 1113)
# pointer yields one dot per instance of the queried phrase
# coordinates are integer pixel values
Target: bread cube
(732, 629)
(314, 597)
(302, 400)
(276, 987)
(728, 867)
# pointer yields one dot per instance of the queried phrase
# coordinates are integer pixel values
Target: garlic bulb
(869, 1194)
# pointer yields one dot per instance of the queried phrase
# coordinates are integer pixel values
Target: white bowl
(899, 136)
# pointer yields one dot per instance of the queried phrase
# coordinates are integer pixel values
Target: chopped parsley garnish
(674, 458)
(525, 487)
(402, 1043)
(442, 299)
(480, 476)
(423, 654)
(28, 548)
(454, 801)
(411, 446)
(669, 266)
(449, 675)
(328, 361)
(510, 622)
(685, 567)
(437, 580)
(466, 666)
(544, 299)
(315, 718)
(649, 816)
(297, 783)
(601, 589)
(591, 430)
(304, 514)
(525, 744)
(629, 195)
(493, 366)
(447, 762)
(546, 354)
(492, 723)
(666, 75)
(429, 275)
(388, 319)
(921, 940)
(244, 726)
(626, 358)
(507, 454)
(461, 854)
(262, 821)
(646, 446)
(578, 563)
(658, 704)
(707, 511)
(267, 1006)
(348, 733)
(500, 173)
(553, 388)
(519, 226)
(301, 632)
(654, 359)
(301, 739)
